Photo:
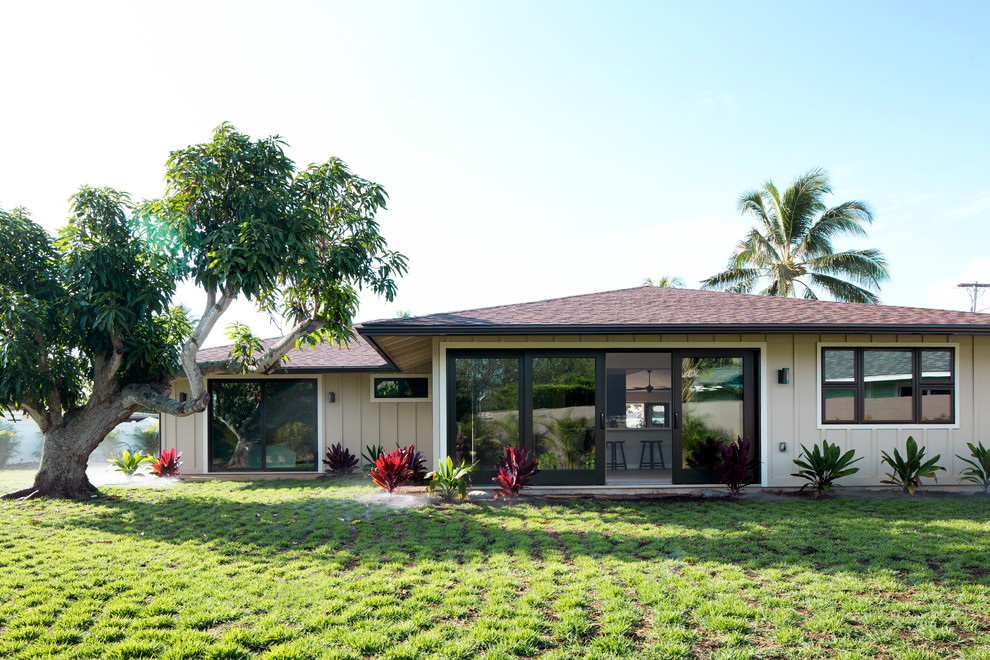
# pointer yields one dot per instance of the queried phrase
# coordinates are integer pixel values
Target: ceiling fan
(649, 383)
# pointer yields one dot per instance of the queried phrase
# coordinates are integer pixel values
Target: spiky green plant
(979, 473)
(129, 463)
(451, 480)
(789, 250)
(909, 470)
(824, 465)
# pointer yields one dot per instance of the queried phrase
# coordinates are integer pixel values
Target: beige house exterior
(577, 394)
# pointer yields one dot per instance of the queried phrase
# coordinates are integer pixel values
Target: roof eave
(396, 330)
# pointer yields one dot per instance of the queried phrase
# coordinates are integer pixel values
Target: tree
(665, 281)
(790, 247)
(88, 334)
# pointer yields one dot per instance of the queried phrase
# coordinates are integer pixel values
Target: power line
(974, 291)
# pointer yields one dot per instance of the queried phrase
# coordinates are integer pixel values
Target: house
(621, 389)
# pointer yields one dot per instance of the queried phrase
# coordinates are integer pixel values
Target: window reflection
(263, 425)
(486, 409)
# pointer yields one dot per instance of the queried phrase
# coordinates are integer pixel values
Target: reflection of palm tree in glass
(566, 444)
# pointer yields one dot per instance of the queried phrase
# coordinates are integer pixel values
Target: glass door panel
(716, 400)
(564, 412)
(486, 410)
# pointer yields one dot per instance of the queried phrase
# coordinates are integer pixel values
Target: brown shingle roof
(360, 356)
(658, 309)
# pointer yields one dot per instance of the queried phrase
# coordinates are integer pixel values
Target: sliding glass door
(715, 403)
(550, 402)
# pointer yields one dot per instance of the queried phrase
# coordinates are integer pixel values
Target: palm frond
(739, 280)
(803, 203)
(755, 250)
(846, 218)
(775, 216)
(866, 267)
(843, 291)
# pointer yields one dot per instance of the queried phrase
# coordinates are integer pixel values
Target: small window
(400, 388)
(888, 386)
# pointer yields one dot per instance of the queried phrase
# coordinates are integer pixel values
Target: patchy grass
(284, 570)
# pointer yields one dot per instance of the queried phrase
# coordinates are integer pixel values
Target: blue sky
(532, 149)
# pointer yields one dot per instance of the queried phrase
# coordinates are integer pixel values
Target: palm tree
(672, 282)
(790, 247)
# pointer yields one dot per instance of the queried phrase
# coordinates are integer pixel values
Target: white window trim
(429, 388)
(877, 344)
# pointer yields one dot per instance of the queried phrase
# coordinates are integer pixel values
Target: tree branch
(273, 356)
(214, 310)
(145, 396)
(105, 368)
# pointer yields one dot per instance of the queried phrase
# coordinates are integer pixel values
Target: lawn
(315, 570)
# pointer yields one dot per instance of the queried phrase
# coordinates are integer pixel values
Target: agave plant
(370, 456)
(340, 462)
(822, 466)
(909, 470)
(733, 465)
(391, 470)
(167, 464)
(417, 464)
(979, 473)
(129, 463)
(515, 471)
(451, 481)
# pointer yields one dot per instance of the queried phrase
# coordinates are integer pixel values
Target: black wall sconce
(183, 396)
(783, 376)
(782, 446)
(331, 397)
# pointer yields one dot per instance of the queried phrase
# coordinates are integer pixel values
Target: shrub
(370, 456)
(979, 473)
(449, 480)
(417, 464)
(167, 464)
(515, 471)
(129, 463)
(821, 467)
(9, 444)
(908, 471)
(733, 465)
(340, 462)
(391, 470)
(147, 441)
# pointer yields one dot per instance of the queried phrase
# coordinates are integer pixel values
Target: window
(888, 385)
(258, 425)
(400, 388)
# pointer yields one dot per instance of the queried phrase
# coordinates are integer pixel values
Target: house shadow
(914, 540)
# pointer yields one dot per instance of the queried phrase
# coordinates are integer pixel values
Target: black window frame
(917, 385)
(264, 439)
(400, 399)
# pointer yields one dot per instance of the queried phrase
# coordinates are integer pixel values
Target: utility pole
(974, 293)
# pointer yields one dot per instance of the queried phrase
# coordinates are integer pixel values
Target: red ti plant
(417, 464)
(515, 471)
(733, 466)
(167, 464)
(391, 470)
(340, 462)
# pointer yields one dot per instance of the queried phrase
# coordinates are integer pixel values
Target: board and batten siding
(353, 419)
(795, 415)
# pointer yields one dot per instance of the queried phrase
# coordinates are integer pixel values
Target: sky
(531, 149)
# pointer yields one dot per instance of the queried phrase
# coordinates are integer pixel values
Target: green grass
(232, 570)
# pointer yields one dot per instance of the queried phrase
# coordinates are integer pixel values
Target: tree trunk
(66, 450)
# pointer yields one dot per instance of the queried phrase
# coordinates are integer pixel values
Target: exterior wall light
(331, 397)
(782, 446)
(783, 376)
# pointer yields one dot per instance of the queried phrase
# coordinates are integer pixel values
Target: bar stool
(652, 463)
(610, 445)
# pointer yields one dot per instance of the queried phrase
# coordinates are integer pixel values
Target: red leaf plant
(515, 471)
(167, 464)
(417, 464)
(733, 466)
(392, 469)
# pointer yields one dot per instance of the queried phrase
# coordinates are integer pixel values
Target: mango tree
(88, 330)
